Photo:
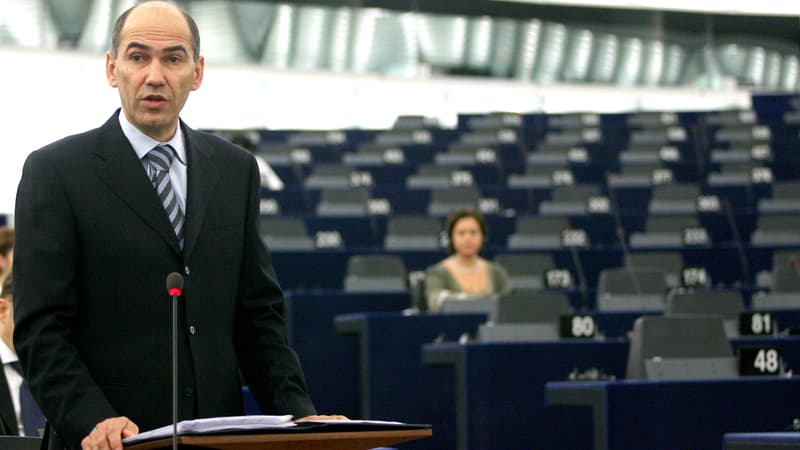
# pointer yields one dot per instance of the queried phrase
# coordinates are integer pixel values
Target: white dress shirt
(14, 380)
(143, 143)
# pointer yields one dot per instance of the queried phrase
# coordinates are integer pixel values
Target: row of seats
(537, 175)
(647, 282)
(578, 199)
(532, 316)
(529, 233)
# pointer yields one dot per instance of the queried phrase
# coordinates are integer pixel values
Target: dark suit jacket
(8, 417)
(93, 247)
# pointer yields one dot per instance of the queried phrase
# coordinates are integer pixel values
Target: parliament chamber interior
(652, 247)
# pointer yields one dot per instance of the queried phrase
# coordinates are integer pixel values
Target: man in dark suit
(19, 414)
(102, 217)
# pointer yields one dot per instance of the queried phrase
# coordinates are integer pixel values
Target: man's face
(154, 70)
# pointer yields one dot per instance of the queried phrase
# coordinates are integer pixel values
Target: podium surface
(332, 440)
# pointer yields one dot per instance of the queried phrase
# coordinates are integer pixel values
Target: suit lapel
(203, 176)
(118, 167)
(7, 414)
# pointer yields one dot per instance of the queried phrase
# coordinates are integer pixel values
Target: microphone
(174, 284)
(174, 290)
(744, 263)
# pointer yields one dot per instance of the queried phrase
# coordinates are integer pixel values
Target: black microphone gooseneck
(744, 263)
(621, 238)
(174, 289)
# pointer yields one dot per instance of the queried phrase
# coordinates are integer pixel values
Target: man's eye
(174, 59)
(136, 57)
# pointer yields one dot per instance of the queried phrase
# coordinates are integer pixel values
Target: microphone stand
(174, 289)
(175, 294)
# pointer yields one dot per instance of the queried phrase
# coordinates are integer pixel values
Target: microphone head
(174, 284)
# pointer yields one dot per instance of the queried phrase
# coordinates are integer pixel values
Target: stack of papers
(215, 425)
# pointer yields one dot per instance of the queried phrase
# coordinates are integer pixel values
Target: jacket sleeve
(46, 303)
(270, 367)
(436, 287)
(501, 279)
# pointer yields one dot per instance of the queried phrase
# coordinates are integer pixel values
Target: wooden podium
(305, 440)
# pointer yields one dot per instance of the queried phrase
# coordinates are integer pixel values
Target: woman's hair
(456, 216)
(7, 290)
(6, 240)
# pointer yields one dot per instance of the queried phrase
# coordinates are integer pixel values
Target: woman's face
(467, 237)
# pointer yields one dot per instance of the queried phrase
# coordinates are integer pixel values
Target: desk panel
(330, 360)
(500, 400)
(675, 414)
(394, 382)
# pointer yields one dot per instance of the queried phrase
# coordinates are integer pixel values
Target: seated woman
(464, 275)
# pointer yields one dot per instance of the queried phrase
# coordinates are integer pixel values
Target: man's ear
(110, 66)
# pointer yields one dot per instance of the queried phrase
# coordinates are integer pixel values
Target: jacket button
(188, 392)
(186, 271)
(192, 330)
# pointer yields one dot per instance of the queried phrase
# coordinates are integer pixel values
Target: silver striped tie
(159, 160)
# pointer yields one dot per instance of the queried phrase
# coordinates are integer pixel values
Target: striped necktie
(32, 418)
(159, 160)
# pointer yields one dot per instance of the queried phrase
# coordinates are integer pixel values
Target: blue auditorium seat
(445, 201)
(777, 230)
(375, 273)
(343, 202)
(631, 289)
(413, 233)
(725, 304)
(785, 199)
(285, 233)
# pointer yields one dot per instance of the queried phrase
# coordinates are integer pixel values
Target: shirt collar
(7, 356)
(143, 143)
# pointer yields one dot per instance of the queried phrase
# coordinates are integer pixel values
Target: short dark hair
(119, 24)
(465, 213)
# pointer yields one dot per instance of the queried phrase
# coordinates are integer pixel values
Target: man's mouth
(154, 99)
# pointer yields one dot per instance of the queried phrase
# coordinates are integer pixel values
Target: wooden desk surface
(335, 440)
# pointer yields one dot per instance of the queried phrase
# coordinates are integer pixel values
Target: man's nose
(155, 74)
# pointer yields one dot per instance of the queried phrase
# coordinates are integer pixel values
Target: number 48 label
(759, 361)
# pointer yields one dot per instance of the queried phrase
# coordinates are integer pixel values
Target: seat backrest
(468, 197)
(521, 307)
(329, 170)
(282, 226)
(540, 225)
(786, 280)
(779, 223)
(434, 170)
(669, 262)
(670, 224)
(676, 192)
(626, 281)
(375, 273)
(345, 196)
(675, 337)
(575, 193)
(525, 263)
(725, 304)
(783, 258)
(786, 190)
(375, 266)
(413, 226)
